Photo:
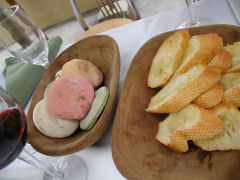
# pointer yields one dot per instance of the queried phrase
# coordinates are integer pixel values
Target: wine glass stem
(45, 64)
(29, 158)
(189, 4)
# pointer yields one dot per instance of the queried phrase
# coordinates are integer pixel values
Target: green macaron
(99, 102)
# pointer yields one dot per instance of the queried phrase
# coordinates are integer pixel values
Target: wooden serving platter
(136, 153)
(104, 53)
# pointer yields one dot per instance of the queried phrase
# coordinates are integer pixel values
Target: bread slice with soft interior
(179, 92)
(191, 123)
(201, 49)
(211, 97)
(229, 138)
(168, 58)
(234, 51)
(231, 87)
(222, 60)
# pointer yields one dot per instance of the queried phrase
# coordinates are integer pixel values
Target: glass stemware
(13, 137)
(27, 42)
(193, 22)
(22, 38)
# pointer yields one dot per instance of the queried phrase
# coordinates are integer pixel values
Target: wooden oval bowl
(104, 53)
(136, 152)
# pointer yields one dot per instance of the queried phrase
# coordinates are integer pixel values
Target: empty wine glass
(193, 22)
(22, 38)
(13, 137)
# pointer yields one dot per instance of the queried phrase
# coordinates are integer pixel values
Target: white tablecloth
(129, 39)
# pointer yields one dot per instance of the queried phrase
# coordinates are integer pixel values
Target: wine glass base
(72, 166)
(197, 22)
(188, 24)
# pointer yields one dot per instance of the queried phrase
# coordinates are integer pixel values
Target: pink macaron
(70, 97)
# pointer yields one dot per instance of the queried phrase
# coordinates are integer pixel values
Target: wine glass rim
(13, 8)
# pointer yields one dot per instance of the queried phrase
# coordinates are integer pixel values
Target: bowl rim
(99, 129)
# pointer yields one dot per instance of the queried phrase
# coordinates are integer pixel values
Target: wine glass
(22, 38)
(13, 137)
(193, 21)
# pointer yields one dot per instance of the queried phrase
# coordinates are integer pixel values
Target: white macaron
(51, 126)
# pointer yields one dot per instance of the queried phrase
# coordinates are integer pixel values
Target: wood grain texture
(104, 53)
(136, 153)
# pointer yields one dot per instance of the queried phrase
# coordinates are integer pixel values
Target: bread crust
(234, 54)
(176, 58)
(222, 60)
(231, 87)
(186, 94)
(209, 45)
(232, 96)
(229, 138)
(211, 97)
(208, 126)
(224, 105)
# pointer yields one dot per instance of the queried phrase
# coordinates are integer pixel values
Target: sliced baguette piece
(201, 49)
(222, 60)
(231, 87)
(211, 97)
(229, 138)
(234, 51)
(168, 58)
(179, 92)
(191, 123)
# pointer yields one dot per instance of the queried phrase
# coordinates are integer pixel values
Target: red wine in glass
(13, 137)
(13, 123)
(13, 134)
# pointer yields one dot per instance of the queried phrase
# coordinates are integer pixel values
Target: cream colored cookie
(51, 126)
(58, 74)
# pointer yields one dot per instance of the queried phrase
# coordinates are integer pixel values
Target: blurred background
(56, 17)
